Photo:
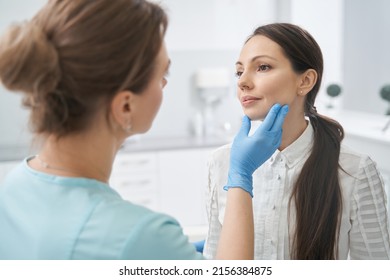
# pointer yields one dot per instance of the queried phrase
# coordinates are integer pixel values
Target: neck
(87, 155)
(293, 127)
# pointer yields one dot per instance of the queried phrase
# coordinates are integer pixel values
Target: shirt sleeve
(159, 237)
(369, 235)
(215, 206)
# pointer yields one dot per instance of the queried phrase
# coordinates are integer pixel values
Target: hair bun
(28, 60)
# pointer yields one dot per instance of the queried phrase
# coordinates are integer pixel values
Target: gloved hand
(249, 152)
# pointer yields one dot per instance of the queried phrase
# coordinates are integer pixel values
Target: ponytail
(317, 194)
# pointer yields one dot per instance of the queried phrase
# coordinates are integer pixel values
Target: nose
(244, 82)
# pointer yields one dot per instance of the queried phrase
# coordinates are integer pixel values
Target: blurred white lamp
(212, 86)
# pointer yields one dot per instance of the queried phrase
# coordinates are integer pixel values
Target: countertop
(172, 143)
(14, 153)
(132, 145)
(360, 124)
(365, 125)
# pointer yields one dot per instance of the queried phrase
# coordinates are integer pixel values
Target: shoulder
(355, 163)
(141, 233)
(218, 166)
(220, 156)
(159, 236)
(359, 174)
(221, 152)
(119, 213)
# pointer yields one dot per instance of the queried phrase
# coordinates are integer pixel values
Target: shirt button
(273, 208)
(272, 159)
(279, 177)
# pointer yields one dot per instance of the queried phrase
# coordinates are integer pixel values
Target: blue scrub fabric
(50, 217)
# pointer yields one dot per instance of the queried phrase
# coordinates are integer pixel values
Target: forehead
(260, 45)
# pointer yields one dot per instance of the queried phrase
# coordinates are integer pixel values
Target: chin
(145, 130)
(147, 127)
(257, 113)
(255, 116)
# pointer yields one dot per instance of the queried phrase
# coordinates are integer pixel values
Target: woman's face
(265, 77)
(148, 102)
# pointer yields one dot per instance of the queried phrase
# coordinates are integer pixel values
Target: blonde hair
(75, 53)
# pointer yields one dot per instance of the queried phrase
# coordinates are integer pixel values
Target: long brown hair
(316, 193)
(75, 54)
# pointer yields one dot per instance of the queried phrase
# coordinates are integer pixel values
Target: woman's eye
(238, 74)
(264, 67)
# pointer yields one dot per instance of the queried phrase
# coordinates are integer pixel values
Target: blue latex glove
(199, 245)
(249, 152)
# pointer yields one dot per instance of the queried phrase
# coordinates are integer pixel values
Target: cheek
(271, 91)
(148, 109)
(154, 103)
(158, 99)
(277, 90)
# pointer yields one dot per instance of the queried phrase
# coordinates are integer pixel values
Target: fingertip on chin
(245, 118)
(276, 107)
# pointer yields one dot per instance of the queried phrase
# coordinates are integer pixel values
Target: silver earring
(127, 128)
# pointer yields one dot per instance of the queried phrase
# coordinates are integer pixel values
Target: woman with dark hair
(314, 198)
(92, 74)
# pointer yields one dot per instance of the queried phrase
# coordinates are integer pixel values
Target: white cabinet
(183, 178)
(169, 181)
(134, 177)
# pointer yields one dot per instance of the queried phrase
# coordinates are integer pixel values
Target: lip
(247, 100)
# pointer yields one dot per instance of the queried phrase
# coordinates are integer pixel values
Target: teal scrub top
(48, 217)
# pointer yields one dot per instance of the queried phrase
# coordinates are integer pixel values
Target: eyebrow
(256, 57)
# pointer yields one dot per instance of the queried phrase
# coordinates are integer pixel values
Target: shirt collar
(299, 149)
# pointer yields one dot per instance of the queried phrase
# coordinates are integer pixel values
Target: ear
(307, 81)
(121, 111)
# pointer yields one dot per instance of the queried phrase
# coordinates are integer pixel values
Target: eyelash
(263, 65)
(260, 68)
(238, 74)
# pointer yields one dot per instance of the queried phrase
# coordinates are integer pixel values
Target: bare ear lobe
(308, 81)
(121, 108)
